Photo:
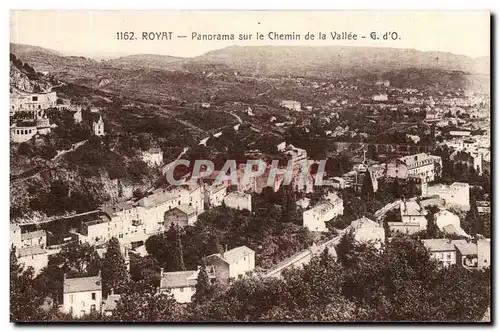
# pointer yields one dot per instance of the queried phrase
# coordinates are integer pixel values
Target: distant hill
(336, 60)
(25, 50)
(146, 61)
(145, 73)
(444, 80)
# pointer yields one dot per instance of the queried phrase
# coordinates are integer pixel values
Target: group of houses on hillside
(29, 113)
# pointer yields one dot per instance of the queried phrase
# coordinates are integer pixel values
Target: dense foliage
(396, 283)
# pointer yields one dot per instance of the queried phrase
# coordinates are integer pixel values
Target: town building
(239, 201)
(380, 97)
(338, 183)
(466, 254)
(470, 159)
(413, 218)
(21, 101)
(232, 264)
(96, 231)
(483, 207)
(292, 105)
(459, 133)
(15, 236)
(449, 223)
(82, 296)
(455, 195)
(214, 194)
(303, 203)
(425, 166)
(483, 253)
(182, 215)
(98, 127)
(366, 230)
(330, 207)
(151, 209)
(442, 250)
(182, 284)
(36, 257)
(153, 157)
(36, 238)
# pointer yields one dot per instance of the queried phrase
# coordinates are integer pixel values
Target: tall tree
(24, 297)
(345, 249)
(114, 270)
(175, 260)
(202, 285)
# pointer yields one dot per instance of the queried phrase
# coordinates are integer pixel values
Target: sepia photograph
(250, 166)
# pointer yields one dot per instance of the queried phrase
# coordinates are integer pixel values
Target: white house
(233, 264)
(239, 201)
(15, 236)
(98, 127)
(292, 105)
(380, 97)
(36, 238)
(455, 195)
(425, 166)
(314, 219)
(367, 230)
(449, 223)
(413, 212)
(153, 157)
(443, 250)
(35, 257)
(182, 284)
(81, 296)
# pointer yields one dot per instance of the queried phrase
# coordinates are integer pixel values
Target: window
(83, 304)
(71, 299)
(92, 307)
(93, 296)
(448, 256)
(182, 289)
(35, 98)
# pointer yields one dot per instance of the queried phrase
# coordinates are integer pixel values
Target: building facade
(82, 296)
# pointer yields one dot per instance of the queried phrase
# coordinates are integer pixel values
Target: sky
(94, 33)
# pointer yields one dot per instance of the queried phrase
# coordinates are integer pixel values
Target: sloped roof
(467, 249)
(22, 252)
(363, 222)
(186, 209)
(32, 235)
(451, 229)
(177, 279)
(83, 284)
(438, 245)
(237, 254)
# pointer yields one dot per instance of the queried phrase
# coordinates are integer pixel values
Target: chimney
(161, 271)
(226, 248)
(64, 277)
(111, 291)
(99, 274)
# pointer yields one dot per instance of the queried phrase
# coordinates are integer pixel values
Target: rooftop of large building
(412, 208)
(32, 235)
(82, 284)
(31, 251)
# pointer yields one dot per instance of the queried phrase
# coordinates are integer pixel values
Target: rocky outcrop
(20, 80)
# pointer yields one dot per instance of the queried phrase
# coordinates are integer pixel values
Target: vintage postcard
(250, 166)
